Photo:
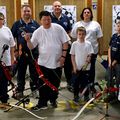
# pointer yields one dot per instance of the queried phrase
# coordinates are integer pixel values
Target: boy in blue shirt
(114, 62)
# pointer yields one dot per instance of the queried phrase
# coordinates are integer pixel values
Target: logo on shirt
(65, 23)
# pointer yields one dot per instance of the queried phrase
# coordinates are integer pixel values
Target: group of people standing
(50, 44)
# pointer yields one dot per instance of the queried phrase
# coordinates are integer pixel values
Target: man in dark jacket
(19, 29)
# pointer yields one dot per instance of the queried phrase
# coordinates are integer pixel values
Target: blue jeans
(80, 82)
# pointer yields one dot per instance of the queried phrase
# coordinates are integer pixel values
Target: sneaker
(54, 104)
(76, 99)
(39, 107)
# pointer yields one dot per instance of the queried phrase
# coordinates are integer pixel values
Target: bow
(5, 69)
(42, 77)
(7, 75)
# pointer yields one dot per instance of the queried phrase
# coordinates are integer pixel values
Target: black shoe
(70, 88)
(76, 99)
(39, 107)
(54, 104)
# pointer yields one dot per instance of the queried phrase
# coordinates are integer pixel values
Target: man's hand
(114, 63)
(27, 37)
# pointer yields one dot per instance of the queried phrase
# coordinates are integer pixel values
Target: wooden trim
(89, 3)
(99, 12)
(32, 5)
(15, 15)
(99, 19)
(17, 9)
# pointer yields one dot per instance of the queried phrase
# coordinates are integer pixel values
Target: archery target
(69, 10)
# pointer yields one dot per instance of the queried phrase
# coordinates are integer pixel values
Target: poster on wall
(3, 10)
(115, 16)
(69, 10)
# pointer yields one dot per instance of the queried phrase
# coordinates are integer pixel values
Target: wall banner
(69, 10)
(115, 16)
(3, 10)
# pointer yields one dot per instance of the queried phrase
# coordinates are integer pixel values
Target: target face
(69, 10)
(115, 17)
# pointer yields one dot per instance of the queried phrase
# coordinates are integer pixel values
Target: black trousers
(46, 93)
(68, 66)
(25, 61)
(3, 87)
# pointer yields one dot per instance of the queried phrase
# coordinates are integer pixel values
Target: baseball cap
(1, 16)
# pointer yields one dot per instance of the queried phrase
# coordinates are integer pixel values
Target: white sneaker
(39, 107)
(119, 96)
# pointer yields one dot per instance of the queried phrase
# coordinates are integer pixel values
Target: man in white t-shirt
(51, 40)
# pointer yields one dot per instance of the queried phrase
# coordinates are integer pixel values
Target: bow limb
(41, 76)
(42, 118)
(83, 108)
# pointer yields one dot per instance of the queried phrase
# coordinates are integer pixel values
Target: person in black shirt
(19, 29)
(63, 20)
(114, 62)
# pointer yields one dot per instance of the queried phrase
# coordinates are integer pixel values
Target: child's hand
(85, 67)
(114, 63)
(88, 60)
(27, 37)
(16, 53)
